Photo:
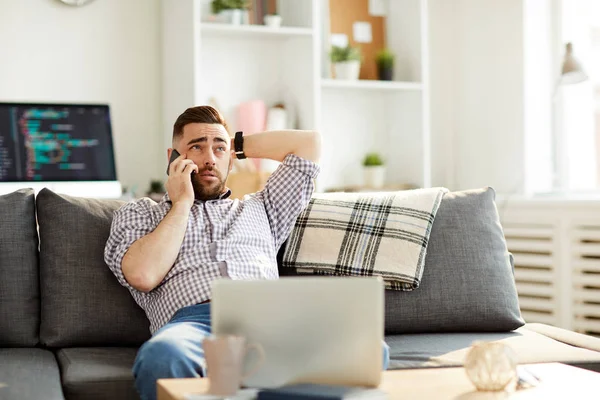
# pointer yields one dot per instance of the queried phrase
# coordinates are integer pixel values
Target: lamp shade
(572, 72)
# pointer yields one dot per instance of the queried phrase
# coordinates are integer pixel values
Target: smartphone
(174, 155)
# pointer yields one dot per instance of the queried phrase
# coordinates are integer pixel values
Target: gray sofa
(68, 330)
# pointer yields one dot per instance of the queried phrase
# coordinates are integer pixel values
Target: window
(576, 110)
(562, 120)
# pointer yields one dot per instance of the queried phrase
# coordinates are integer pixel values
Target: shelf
(370, 84)
(257, 31)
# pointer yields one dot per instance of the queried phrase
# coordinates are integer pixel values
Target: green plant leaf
(348, 53)
(372, 160)
(220, 5)
(385, 58)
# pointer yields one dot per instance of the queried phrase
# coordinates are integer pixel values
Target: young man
(167, 254)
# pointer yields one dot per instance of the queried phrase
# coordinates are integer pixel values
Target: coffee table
(558, 381)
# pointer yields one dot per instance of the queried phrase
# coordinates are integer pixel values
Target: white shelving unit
(255, 31)
(370, 85)
(233, 64)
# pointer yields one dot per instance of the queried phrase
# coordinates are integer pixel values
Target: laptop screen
(55, 142)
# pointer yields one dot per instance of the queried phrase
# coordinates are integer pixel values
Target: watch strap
(238, 145)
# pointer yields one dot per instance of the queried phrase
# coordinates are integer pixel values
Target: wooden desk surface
(559, 381)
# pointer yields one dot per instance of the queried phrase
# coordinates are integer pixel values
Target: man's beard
(205, 190)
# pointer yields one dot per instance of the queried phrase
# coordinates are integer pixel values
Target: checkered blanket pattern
(365, 234)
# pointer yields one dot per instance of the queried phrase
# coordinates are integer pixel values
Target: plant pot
(374, 177)
(348, 70)
(272, 21)
(385, 74)
(233, 17)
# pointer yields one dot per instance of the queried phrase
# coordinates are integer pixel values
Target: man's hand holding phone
(179, 185)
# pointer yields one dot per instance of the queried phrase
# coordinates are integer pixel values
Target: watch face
(76, 2)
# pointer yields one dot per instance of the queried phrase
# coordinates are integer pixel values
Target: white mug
(225, 357)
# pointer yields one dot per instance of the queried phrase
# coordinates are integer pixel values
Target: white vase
(374, 177)
(349, 70)
(272, 21)
(233, 17)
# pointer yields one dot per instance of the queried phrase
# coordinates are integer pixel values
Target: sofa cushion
(468, 283)
(29, 374)
(19, 279)
(97, 373)
(82, 302)
(450, 349)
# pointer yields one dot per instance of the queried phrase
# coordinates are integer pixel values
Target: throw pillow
(82, 302)
(19, 282)
(366, 234)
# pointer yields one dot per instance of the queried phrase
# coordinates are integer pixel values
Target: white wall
(105, 52)
(442, 71)
(477, 93)
(541, 71)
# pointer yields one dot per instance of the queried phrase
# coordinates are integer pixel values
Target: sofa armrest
(566, 336)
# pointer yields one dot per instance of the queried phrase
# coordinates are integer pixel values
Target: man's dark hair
(201, 114)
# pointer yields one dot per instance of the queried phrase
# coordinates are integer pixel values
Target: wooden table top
(558, 381)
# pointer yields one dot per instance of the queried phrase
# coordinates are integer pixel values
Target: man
(167, 254)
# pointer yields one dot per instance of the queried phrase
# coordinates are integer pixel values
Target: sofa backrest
(19, 283)
(82, 304)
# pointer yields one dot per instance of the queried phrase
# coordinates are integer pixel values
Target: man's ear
(231, 160)
(169, 151)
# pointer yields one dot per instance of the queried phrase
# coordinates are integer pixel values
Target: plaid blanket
(363, 234)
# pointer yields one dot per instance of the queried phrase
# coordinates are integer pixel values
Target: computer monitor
(67, 148)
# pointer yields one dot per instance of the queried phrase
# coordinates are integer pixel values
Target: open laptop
(326, 330)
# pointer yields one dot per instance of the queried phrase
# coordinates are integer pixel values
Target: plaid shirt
(238, 239)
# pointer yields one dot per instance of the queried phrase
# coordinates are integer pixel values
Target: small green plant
(348, 53)
(220, 5)
(156, 186)
(385, 59)
(372, 160)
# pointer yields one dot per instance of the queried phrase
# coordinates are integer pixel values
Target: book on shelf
(259, 8)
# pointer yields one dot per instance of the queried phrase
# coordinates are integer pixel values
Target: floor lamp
(571, 72)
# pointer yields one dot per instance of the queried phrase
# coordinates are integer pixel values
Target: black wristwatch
(238, 145)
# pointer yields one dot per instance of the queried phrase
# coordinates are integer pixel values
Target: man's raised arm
(275, 145)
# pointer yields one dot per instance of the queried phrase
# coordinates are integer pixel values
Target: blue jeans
(175, 350)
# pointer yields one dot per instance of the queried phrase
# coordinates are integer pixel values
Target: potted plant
(156, 190)
(230, 11)
(374, 171)
(385, 64)
(346, 62)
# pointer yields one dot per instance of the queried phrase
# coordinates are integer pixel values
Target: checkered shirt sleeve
(286, 193)
(130, 223)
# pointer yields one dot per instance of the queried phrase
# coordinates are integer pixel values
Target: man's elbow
(140, 283)
(312, 147)
(138, 279)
